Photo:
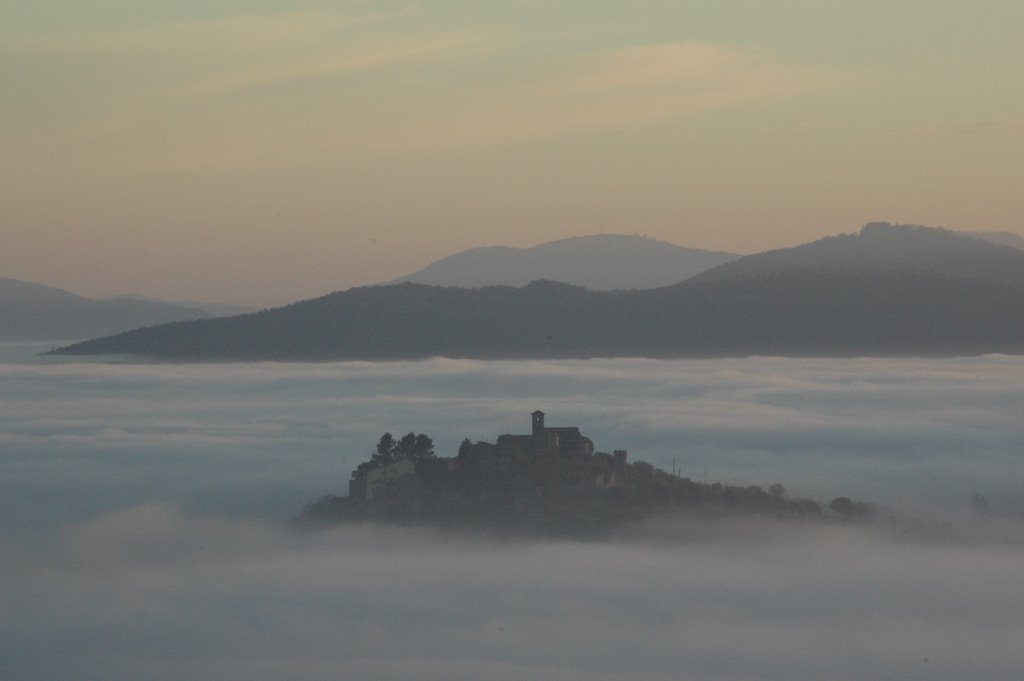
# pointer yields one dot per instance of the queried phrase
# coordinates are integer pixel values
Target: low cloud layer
(145, 532)
(152, 593)
(262, 440)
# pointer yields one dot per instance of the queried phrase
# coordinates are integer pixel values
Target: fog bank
(154, 593)
(145, 532)
(261, 440)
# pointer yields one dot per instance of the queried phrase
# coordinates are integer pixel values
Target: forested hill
(806, 312)
(892, 248)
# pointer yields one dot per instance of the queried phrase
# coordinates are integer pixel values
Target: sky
(145, 533)
(262, 151)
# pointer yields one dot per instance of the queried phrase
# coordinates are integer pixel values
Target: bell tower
(538, 424)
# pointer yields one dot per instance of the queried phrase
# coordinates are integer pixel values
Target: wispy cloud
(325, 65)
(233, 53)
(241, 33)
(619, 88)
(458, 89)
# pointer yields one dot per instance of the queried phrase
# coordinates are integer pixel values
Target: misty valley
(157, 502)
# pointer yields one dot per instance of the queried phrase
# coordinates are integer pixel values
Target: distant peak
(875, 228)
(888, 228)
(551, 284)
(597, 262)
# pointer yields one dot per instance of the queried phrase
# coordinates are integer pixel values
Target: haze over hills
(31, 311)
(886, 247)
(213, 309)
(600, 262)
(889, 290)
(1004, 238)
(797, 313)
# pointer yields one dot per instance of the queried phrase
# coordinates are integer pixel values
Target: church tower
(538, 424)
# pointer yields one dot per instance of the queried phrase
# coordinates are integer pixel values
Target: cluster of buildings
(564, 442)
(542, 443)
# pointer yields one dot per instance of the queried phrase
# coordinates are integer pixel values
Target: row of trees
(411, 446)
(389, 450)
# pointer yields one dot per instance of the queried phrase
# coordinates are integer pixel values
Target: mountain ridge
(887, 291)
(600, 262)
(888, 247)
(800, 313)
(31, 311)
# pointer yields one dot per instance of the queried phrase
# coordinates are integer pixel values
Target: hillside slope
(795, 313)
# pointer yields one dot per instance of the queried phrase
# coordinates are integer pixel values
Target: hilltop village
(551, 481)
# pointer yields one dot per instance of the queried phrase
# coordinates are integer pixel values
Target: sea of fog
(144, 531)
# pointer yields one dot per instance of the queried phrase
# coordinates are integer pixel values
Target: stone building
(566, 442)
(379, 479)
(400, 478)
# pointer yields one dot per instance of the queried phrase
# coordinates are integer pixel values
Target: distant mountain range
(31, 311)
(600, 262)
(805, 312)
(890, 290)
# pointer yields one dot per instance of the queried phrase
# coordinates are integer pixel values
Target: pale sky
(260, 151)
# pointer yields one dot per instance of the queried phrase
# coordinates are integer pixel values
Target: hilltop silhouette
(884, 247)
(549, 481)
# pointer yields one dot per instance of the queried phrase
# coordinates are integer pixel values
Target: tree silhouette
(849, 509)
(422, 448)
(385, 452)
(411, 446)
(842, 506)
